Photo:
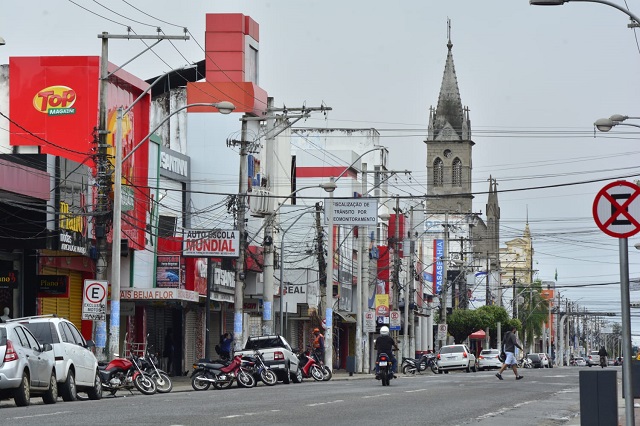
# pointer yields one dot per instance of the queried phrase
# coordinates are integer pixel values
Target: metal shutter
(190, 343)
(71, 307)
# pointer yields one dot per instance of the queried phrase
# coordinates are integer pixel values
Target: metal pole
(365, 303)
(359, 308)
(626, 332)
(443, 293)
(408, 293)
(207, 310)
(328, 294)
(114, 319)
(238, 301)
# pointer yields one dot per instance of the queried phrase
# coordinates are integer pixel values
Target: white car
(76, 366)
(544, 359)
(580, 362)
(488, 358)
(593, 359)
(456, 357)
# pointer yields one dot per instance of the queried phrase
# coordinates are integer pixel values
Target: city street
(543, 397)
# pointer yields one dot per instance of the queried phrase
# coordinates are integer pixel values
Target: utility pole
(396, 267)
(267, 291)
(409, 336)
(103, 182)
(362, 237)
(238, 302)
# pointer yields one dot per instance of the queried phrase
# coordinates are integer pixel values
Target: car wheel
(287, 375)
(297, 378)
(474, 368)
(468, 369)
(69, 391)
(51, 396)
(95, 392)
(22, 395)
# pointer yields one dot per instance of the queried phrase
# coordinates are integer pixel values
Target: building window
(438, 172)
(456, 172)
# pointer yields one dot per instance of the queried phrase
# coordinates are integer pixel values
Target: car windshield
(3, 336)
(534, 357)
(273, 342)
(489, 352)
(451, 349)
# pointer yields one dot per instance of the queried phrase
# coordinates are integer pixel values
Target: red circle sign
(616, 209)
(95, 293)
(382, 311)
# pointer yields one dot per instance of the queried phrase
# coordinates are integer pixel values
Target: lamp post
(114, 321)
(608, 3)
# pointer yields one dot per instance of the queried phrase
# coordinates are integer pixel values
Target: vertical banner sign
(94, 300)
(438, 267)
(237, 324)
(266, 311)
(382, 305)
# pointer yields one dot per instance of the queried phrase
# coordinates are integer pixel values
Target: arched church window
(438, 172)
(456, 172)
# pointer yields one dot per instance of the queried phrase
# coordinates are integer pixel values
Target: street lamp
(114, 321)
(608, 3)
(606, 124)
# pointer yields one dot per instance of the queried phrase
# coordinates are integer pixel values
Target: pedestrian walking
(510, 343)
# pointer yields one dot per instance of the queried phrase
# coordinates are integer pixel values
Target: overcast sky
(534, 79)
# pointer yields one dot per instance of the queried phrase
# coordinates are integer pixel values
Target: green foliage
(463, 322)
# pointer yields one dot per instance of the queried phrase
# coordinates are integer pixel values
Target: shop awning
(346, 317)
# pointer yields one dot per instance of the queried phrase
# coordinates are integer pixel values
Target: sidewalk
(183, 383)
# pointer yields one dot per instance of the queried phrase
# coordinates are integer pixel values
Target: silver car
(27, 366)
(456, 357)
(76, 365)
(489, 359)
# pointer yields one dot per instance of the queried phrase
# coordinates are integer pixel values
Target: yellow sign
(382, 305)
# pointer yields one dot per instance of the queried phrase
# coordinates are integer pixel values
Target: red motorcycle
(311, 367)
(123, 373)
(222, 376)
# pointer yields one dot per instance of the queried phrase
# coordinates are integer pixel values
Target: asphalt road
(543, 397)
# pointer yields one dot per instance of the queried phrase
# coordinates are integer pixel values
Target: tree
(533, 313)
(463, 322)
(494, 314)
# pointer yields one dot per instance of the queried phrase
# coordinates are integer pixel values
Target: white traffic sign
(442, 331)
(394, 320)
(369, 322)
(616, 209)
(353, 211)
(211, 243)
(94, 300)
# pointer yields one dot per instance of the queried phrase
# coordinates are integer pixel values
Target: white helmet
(384, 330)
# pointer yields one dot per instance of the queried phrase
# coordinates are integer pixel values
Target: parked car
(546, 363)
(536, 361)
(76, 365)
(27, 368)
(580, 362)
(593, 359)
(488, 359)
(277, 354)
(456, 357)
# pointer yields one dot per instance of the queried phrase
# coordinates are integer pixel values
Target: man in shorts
(510, 342)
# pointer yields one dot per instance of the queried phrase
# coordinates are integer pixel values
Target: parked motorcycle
(525, 362)
(220, 375)
(310, 367)
(413, 366)
(125, 373)
(149, 364)
(385, 372)
(260, 369)
(326, 372)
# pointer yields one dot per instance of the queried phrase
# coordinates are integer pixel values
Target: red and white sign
(616, 209)
(159, 294)
(369, 322)
(94, 300)
(211, 243)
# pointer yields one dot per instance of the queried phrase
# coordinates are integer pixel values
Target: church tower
(449, 147)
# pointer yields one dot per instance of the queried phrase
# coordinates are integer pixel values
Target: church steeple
(449, 145)
(451, 120)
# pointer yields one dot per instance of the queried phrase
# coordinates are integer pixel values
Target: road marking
(325, 403)
(232, 416)
(417, 390)
(43, 415)
(376, 396)
(503, 410)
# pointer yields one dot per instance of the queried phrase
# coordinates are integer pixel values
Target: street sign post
(369, 322)
(442, 331)
(616, 211)
(94, 300)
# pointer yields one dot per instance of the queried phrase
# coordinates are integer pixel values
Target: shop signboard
(52, 285)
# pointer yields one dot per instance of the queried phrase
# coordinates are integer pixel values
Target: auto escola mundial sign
(211, 243)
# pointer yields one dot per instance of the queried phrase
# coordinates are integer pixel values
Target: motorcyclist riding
(385, 344)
